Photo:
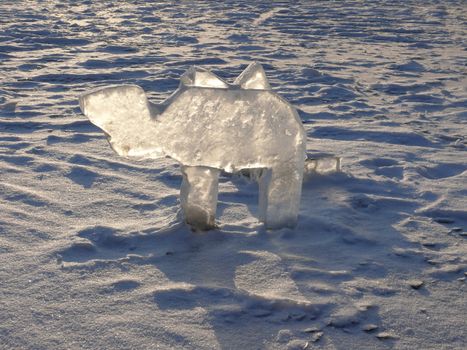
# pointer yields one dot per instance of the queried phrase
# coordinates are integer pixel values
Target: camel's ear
(253, 77)
(200, 77)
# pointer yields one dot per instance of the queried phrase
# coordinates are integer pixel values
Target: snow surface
(92, 254)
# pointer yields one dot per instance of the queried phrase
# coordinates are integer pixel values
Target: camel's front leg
(198, 196)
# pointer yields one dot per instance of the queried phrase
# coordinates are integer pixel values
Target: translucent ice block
(210, 124)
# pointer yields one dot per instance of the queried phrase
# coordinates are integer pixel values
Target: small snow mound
(9, 107)
(411, 66)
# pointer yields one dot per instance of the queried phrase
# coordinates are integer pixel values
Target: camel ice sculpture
(209, 125)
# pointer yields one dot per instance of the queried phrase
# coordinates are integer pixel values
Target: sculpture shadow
(245, 193)
(317, 276)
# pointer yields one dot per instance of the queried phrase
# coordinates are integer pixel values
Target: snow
(207, 123)
(93, 254)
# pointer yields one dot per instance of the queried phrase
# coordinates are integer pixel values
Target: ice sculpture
(209, 125)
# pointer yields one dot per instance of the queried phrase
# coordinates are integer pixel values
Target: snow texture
(93, 254)
(207, 123)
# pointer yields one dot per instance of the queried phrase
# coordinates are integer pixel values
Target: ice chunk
(209, 125)
(323, 165)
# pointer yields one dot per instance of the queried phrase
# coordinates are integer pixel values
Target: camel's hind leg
(198, 196)
(280, 190)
